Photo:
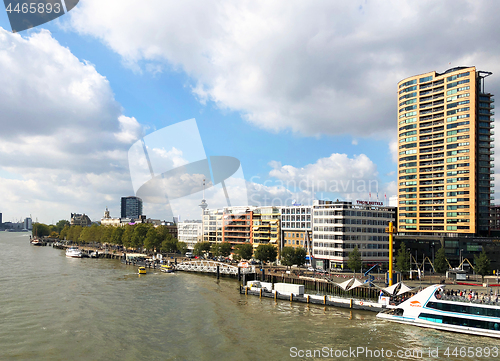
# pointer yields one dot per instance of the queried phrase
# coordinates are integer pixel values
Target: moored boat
(430, 308)
(167, 268)
(73, 252)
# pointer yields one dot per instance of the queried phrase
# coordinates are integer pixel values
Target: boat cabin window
(465, 309)
(460, 321)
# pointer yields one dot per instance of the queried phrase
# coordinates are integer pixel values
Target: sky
(302, 94)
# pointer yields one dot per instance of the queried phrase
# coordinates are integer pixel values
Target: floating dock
(325, 300)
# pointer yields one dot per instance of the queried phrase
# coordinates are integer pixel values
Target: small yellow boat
(142, 270)
(167, 268)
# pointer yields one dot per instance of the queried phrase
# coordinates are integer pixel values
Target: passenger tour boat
(433, 308)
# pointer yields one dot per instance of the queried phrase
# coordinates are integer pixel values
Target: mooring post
(263, 276)
(239, 274)
(218, 271)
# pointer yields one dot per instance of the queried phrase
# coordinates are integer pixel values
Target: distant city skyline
(308, 110)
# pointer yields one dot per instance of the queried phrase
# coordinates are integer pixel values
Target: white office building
(189, 232)
(338, 227)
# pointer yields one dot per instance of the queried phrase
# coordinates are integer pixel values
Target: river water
(55, 308)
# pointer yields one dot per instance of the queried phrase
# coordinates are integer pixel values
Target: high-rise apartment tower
(131, 207)
(445, 162)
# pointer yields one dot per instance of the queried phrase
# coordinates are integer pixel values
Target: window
(409, 82)
(454, 84)
(454, 91)
(453, 77)
(410, 114)
(425, 79)
(451, 112)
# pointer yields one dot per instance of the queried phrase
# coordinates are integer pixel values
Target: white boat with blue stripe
(430, 308)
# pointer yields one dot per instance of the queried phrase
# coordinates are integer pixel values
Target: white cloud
(337, 176)
(130, 129)
(393, 149)
(313, 67)
(63, 134)
(174, 156)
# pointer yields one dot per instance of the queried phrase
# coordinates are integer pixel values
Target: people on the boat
(468, 296)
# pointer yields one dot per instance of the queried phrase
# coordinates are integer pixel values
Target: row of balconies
(436, 149)
(430, 215)
(430, 156)
(434, 201)
(432, 221)
(428, 182)
(430, 208)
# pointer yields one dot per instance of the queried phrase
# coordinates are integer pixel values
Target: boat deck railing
(492, 300)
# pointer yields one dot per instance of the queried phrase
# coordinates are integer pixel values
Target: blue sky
(287, 101)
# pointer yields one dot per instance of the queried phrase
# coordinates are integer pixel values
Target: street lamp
(461, 262)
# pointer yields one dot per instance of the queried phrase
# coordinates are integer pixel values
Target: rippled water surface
(55, 308)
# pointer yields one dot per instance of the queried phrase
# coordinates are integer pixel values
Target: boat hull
(449, 328)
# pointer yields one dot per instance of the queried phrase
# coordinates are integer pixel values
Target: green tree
(482, 264)
(94, 233)
(225, 249)
(64, 232)
(127, 236)
(62, 224)
(85, 235)
(54, 234)
(403, 259)
(106, 234)
(182, 247)
(354, 262)
(139, 235)
(266, 253)
(74, 233)
(287, 256)
(169, 244)
(440, 264)
(300, 256)
(116, 236)
(244, 251)
(222, 249)
(200, 248)
(215, 249)
(40, 230)
(150, 241)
